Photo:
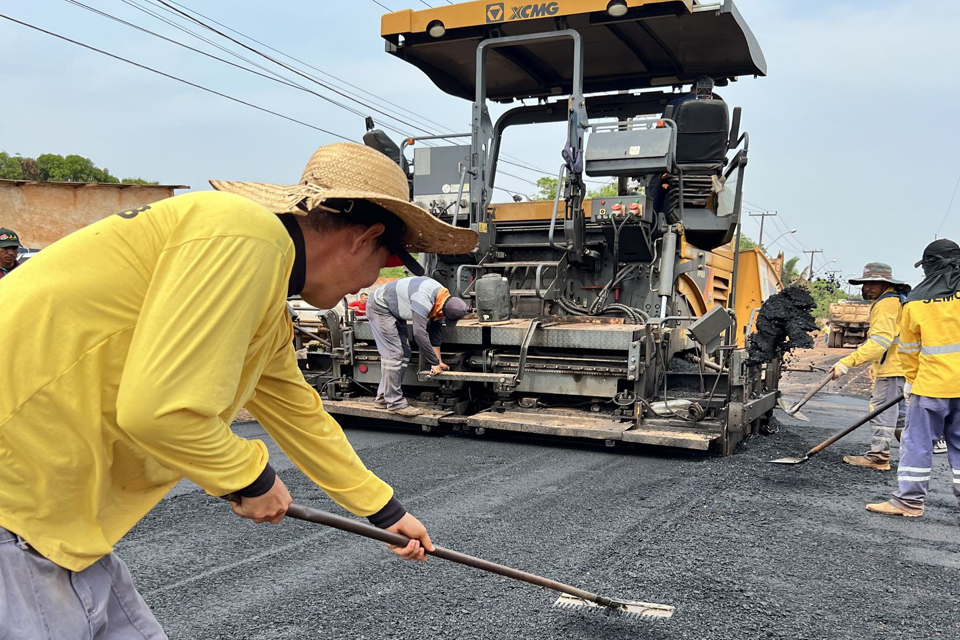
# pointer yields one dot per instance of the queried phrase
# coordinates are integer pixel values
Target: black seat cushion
(702, 130)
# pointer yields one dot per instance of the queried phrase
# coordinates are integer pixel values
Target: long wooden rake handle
(325, 518)
(856, 425)
(811, 393)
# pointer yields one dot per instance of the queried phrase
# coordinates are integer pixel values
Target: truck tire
(835, 340)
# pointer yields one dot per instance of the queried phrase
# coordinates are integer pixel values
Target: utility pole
(763, 216)
(812, 254)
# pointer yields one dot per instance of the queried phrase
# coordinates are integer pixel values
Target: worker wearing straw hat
(887, 295)
(141, 359)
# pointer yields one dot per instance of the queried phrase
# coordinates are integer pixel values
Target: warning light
(603, 202)
(363, 368)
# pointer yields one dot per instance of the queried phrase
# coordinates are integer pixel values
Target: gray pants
(40, 600)
(930, 419)
(885, 390)
(390, 335)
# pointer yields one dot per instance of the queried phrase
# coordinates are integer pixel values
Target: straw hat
(346, 170)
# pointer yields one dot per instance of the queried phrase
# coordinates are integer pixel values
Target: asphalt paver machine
(619, 318)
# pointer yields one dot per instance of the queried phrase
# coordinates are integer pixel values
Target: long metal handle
(811, 393)
(867, 418)
(369, 531)
(556, 205)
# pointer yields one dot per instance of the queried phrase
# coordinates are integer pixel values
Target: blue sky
(854, 135)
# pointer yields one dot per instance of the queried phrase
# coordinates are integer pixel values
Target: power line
(290, 68)
(375, 2)
(942, 222)
(172, 77)
(181, 44)
(279, 77)
(196, 35)
(413, 115)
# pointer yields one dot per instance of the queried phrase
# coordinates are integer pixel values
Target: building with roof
(43, 212)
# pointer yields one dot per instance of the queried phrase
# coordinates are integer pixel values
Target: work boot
(891, 508)
(380, 403)
(940, 446)
(868, 463)
(406, 411)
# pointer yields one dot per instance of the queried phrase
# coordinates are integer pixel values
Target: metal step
(522, 293)
(521, 263)
(467, 376)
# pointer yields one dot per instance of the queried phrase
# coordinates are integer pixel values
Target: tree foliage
(547, 186)
(825, 292)
(789, 274)
(746, 243)
(51, 167)
(606, 191)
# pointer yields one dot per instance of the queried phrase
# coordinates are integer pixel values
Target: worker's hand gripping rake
(572, 597)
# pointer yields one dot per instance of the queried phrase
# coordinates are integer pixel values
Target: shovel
(571, 597)
(829, 441)
(795, 409)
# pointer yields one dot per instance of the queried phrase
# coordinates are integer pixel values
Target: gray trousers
(929, 420)
(390, 335)
(884, 425)
(40, 600)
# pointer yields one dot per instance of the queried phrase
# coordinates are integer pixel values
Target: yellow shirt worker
(132, 344)
(880, 349)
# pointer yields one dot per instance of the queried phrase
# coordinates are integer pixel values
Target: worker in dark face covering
(930, 354)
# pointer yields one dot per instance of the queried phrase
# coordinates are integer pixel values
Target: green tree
(10, 168)
(825, 293)
(548, 188)
(747, 243)
(789, 273)
(606, 191)
(52, 167)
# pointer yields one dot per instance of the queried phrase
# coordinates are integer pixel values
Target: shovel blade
(792, 410)
(790, 460)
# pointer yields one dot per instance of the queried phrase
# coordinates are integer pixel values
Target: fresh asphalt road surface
(742, 548)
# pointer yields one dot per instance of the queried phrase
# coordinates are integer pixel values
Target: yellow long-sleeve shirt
(129, 347)
(930, 346)
(880, 347)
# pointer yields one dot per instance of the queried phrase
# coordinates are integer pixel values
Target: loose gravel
(742, 548)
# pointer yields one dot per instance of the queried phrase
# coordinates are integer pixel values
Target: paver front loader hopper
(614, 318)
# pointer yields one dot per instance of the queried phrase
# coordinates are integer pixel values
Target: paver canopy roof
(656, 43)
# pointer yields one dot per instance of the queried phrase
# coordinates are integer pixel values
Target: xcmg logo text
(496, 13)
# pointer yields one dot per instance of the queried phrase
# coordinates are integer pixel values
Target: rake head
(627, 608)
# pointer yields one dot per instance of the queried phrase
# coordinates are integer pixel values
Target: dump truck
(849, 323)
(620, 319)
